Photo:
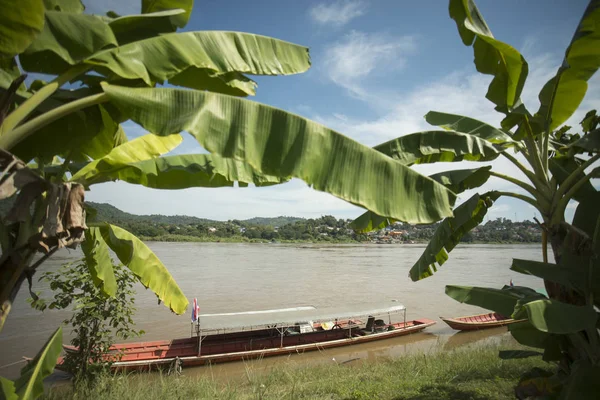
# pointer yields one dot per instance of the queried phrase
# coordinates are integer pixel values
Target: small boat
(256, 334)
(480, 321)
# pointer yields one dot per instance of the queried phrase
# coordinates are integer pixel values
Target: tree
(97, 318)
(556, 165)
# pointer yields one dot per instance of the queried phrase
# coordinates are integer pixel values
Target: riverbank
(243, 239)
(465, 373)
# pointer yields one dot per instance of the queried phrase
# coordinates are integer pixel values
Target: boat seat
(369, 326)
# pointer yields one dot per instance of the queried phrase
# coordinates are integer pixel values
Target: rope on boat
(14, 363)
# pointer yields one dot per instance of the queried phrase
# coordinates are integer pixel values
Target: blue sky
(377, 67)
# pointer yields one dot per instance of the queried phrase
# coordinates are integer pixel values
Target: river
(229, 277)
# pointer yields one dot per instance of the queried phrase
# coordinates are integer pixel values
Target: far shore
(242, 239)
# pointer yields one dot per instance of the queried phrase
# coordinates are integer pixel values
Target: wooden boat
(252, 335)
(480, 321)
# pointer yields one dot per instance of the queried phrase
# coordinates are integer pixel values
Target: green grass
(467, 373)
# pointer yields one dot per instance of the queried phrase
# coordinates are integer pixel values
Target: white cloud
(337, 13)
(357, 56)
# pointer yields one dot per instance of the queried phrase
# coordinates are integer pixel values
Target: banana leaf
(457, 181)
(139, 149)
(562, 167)
(277, 143)
(552, 316)
(449, 233)
(435, 146)
(145, 265)
(460, 180)
(89, 132)
(185, 171)
(163, 58)
(587, 213)
(72, 6)
(98, 261)
(502, 301)
(369, 221)
(67, 39)
(562, 95)
(7, 389)
(492, 57)
(19, 25)
(153, 6)
(570, 274)
(589, 143)
(471, 126)
(131, 28)
(30, 384)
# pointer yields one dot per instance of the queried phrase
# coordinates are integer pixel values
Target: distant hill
(110, 213)
(274, 221)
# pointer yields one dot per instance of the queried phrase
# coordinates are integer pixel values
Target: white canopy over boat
(290, 316)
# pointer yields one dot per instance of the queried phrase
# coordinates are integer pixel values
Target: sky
(377, 68)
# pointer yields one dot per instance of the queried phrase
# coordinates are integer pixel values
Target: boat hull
(477, 322)
(242, 346)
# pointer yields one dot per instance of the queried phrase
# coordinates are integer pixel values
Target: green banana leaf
(30, 384)
(471, 126)
(492, 57)
(457, 181)
(67, 39)
(277, 143)
(90, 132)
(502, 301)
(164, 57)
(562, 167)
(160, 58)
(9, 71)
(98, 260)
(562, 95)
(185, 171)
(570, 274)
(369, 221)
(587, 213)
(552, 316)
(589, 143)
(138, 149)
(131, 28)
(145, 265)
(153, 6)
(72, 6)
(19, 25)
(435, 146)
(449, 233)
(7, 389)
(527, 335)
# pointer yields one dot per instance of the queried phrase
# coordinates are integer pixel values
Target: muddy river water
(230, 277)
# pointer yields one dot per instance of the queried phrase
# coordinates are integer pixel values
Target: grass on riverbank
(467, 373)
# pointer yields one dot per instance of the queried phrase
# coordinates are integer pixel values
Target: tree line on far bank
(284, 228)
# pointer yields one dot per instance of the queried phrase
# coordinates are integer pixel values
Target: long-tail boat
(480, 321)
(248, 335)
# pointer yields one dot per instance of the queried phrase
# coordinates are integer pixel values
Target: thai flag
(195, 310)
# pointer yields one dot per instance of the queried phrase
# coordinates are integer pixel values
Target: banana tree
(62, 136)
(558, 167)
